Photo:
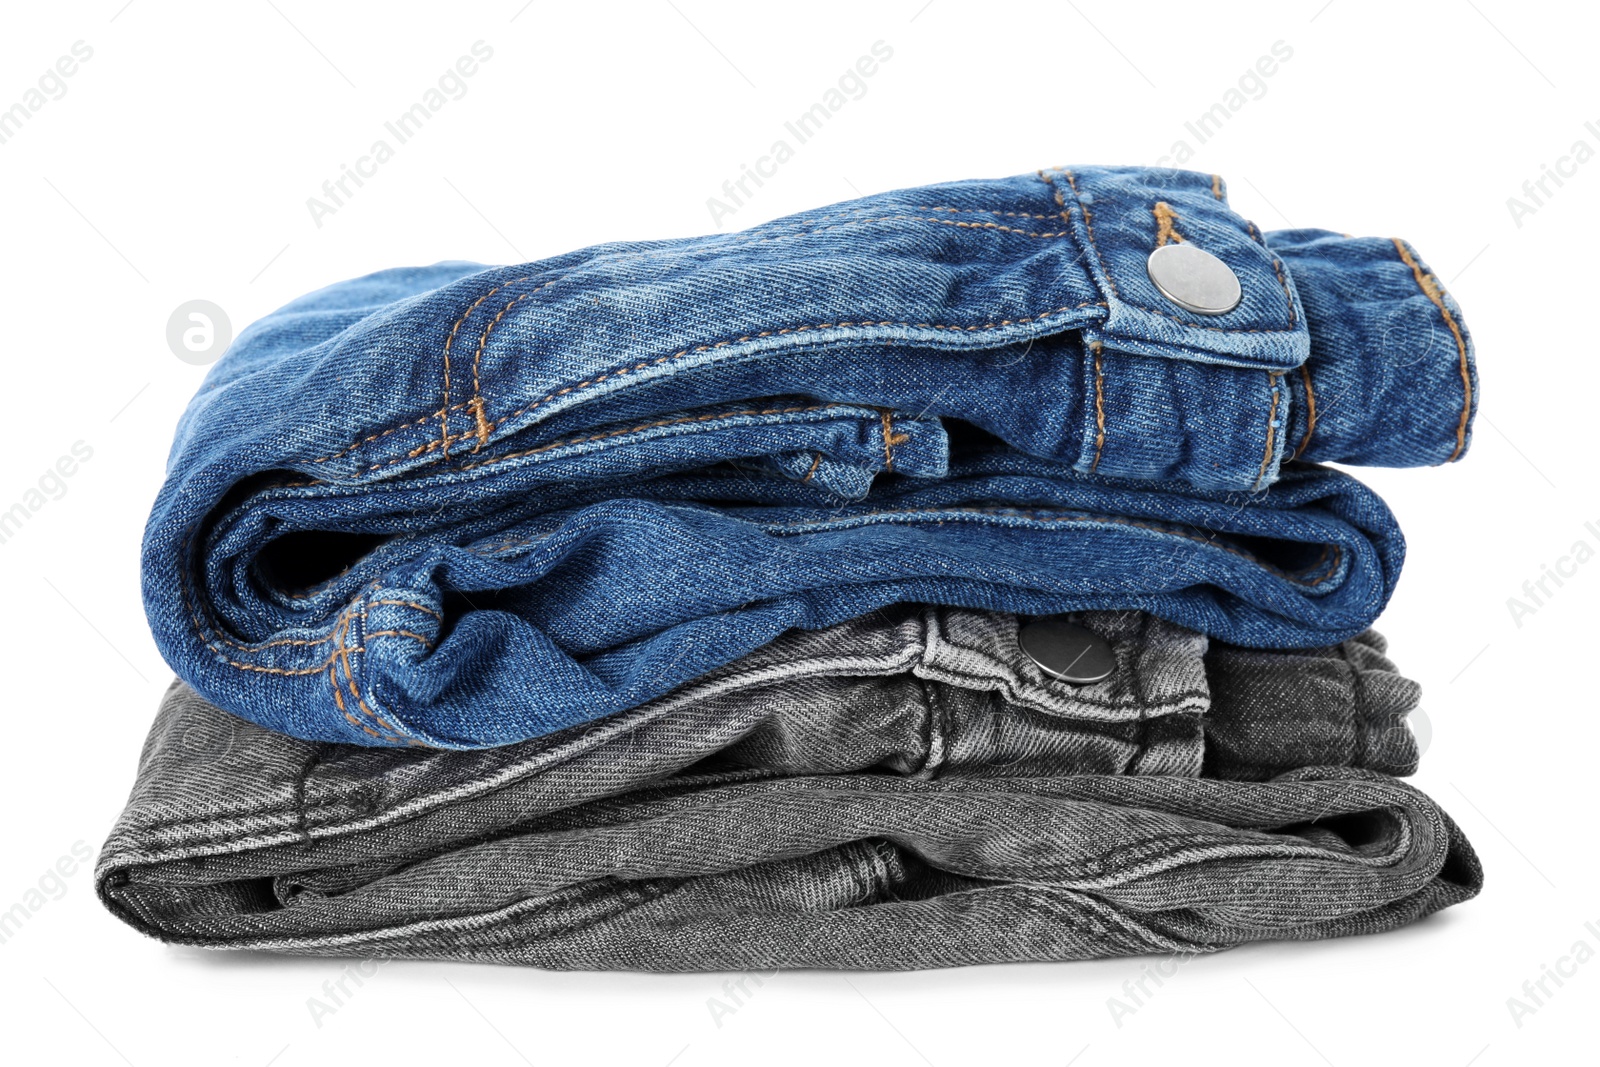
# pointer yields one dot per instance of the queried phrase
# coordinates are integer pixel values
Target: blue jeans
(462, 507)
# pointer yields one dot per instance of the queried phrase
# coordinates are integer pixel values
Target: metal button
(1067, 651)
(1194, 279)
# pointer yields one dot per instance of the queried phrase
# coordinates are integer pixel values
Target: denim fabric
(460, 507)
(905, 792)
(1323, 705)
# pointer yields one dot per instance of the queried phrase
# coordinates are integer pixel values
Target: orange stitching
(646, 364)
(1099, 406)
(1272, 427)
(344, 660)
(400, 633)
(482, 431)
(363, 726)
(328, 664)
(890, 439)
(814, 465)
(333, 681)
(272, 670)
(430, 446)
(1210, 541)
(1216, 186)
(443, 414)
(645, 426)
(476, 403)
(1332, 566)
(1165, 217)
(444, 410)
(216, 636)
(429, 417)
(338, 700)
(986, 211)
(797, 329)
(1311, 411)
(200, 629)
(308, 642)
(996, 226)
(1431, 289)
(275, 644)
(1088, 225)
(1111, 284)
(1065, 212)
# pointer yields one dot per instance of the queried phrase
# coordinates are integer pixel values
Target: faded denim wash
(905, 791)
(459, 506)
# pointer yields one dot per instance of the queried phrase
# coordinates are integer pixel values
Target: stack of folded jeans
(944, 577)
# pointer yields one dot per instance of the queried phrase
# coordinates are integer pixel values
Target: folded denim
(894, 793)
(459, 507)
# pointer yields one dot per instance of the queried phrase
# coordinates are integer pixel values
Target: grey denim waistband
(904, 790)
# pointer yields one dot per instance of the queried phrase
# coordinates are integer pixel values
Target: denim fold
(903, 790)
(463, 506)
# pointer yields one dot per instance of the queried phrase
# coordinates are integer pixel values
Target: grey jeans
(902, 790)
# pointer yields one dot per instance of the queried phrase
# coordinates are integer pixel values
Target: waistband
(1023, 304)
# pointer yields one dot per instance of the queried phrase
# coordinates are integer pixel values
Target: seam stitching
(746, 412)
(1099, 407)
(646, 364)
(476, 403)
(443, 414)
(890, 438)
(338, 698)
(1111, 284)
(1311, 412)
(444, 408)
(1088, 517)
(1273, 379)
(1433, 291)
(1166, 223)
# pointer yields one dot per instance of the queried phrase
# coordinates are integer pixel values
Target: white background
(177, 166)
